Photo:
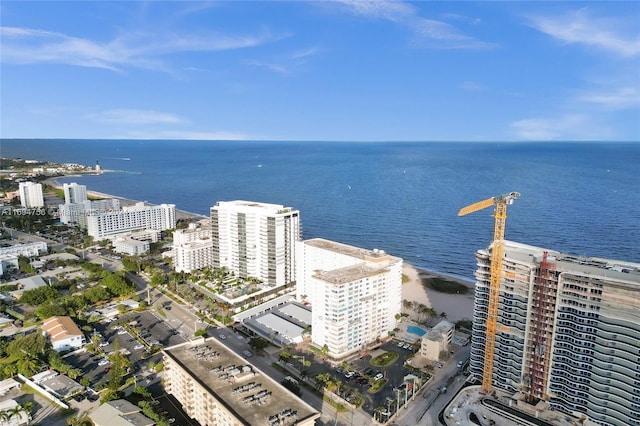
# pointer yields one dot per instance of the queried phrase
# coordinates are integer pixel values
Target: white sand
(456, 307)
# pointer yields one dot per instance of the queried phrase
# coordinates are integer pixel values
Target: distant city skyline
(344, 70)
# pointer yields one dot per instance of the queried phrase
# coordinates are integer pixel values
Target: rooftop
(58, 328)
(237, 383)
(347, 250)
(348, 274)
(119, 413)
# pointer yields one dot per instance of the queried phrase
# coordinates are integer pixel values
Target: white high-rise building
(193, 247)
(31, 194)
(256, 240)
(74, 193)
(354, 294)
(567, 332)
(131, 218)
(76, 213)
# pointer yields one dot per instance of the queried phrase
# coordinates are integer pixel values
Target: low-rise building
(119, 412)
(8, 262)
(14, 417)
(437, 341)
(26, 250)
(217, 386)
(26, 284)
(63, 333)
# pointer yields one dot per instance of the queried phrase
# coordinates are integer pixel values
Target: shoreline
(455, 306)
(180, 214)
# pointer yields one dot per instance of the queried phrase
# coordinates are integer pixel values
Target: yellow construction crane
(500, 202)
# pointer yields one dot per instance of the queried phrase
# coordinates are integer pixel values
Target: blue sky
(331, 70)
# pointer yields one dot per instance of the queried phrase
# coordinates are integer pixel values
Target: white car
(137, 347)
(400, 344)
(222, 336)
(378, 376)
(406, 346)
(123, 331)
(103, 362)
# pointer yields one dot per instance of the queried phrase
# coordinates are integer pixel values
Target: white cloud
(581, 28)
(141, 50)
(136, 116)
(189, 135)
(278, 68)
(621, 98)
(565, 127)
(440, 34)
(472, 86)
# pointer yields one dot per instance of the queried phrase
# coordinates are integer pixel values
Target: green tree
(117, 285)
(258, 343)
(39, 295)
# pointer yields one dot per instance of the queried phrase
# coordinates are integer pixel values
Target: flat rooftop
(347, 250)
(235, 383)
(348, 274)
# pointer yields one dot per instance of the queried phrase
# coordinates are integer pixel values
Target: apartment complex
(255, 240)
(31, 194)
(76, 213)
(138, 217)
(354, 294)
(63, 333)
(193, 247)
(217, 387)
(567, 334)
(74, 193)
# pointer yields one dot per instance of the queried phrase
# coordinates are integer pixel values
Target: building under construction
(567, 332)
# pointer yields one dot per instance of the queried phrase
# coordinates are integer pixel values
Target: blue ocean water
(579, 198)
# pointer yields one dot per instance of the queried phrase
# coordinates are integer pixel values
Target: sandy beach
(455, 306)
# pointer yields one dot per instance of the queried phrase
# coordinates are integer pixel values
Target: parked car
(138, 347)
(378, 376)
(247, 354)
(103, 362)
(222, 336)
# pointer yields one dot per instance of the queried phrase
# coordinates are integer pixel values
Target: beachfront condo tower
(354, 294)
(255, 240)
(567, 333)
(74, 193)
(138, 217)
(31, 194)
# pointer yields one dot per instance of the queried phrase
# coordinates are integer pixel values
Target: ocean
(401, 197)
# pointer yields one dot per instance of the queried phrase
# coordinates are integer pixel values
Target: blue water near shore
(579, 198)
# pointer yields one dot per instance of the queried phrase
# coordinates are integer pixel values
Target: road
(424, 409)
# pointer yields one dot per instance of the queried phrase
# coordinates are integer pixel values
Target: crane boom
(497, 252)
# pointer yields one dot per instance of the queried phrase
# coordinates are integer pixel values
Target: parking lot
(143, 329)
(360, 373)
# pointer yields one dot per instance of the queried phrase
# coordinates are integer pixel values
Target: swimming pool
(416, 330)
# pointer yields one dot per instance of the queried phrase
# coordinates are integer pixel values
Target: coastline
(455, 306)
(180, 214)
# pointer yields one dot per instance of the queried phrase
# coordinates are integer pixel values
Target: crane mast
(500, 215)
